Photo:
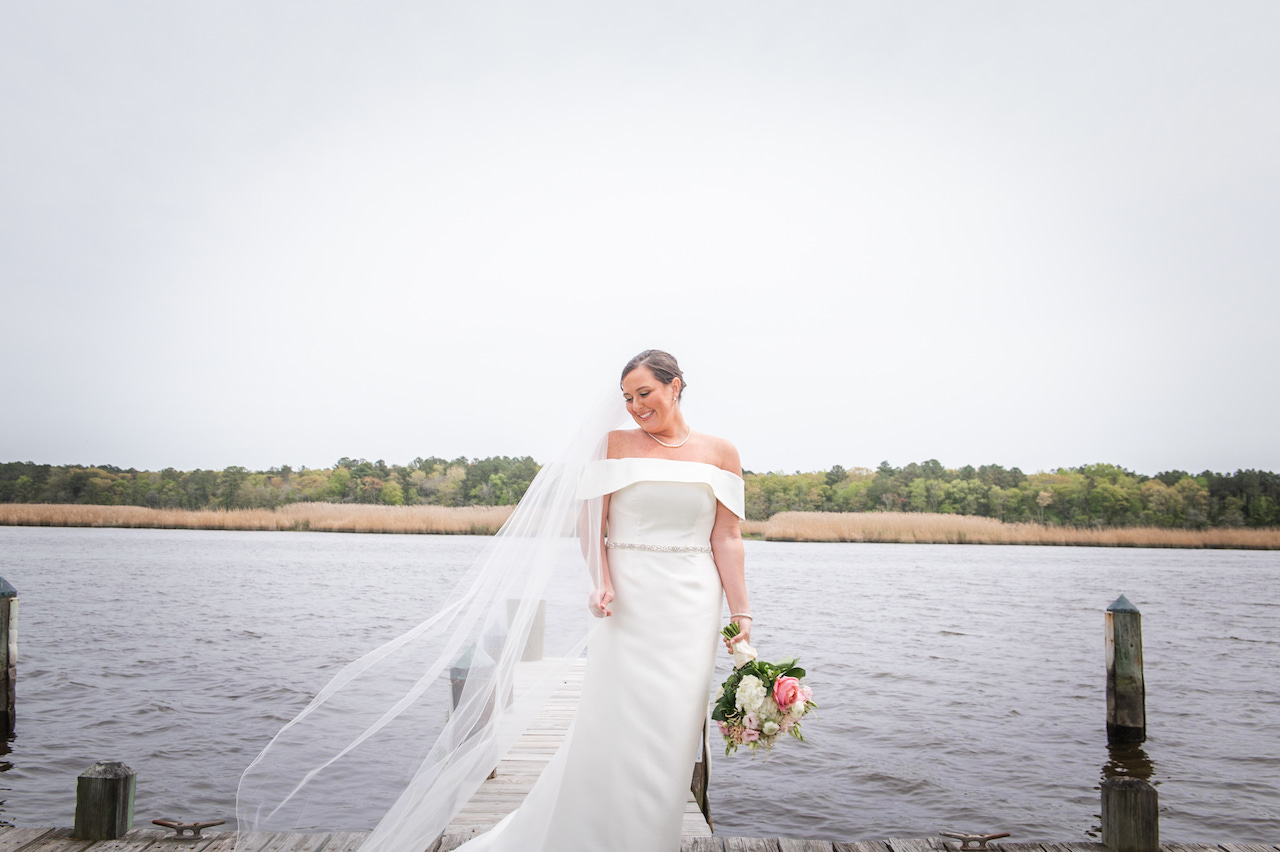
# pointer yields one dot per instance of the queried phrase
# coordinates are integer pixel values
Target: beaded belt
(661, 548)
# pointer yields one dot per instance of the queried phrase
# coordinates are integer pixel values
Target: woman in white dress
(666, 501)
(672, 499)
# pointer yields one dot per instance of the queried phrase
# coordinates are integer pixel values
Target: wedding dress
(620, 780)
(385, 723)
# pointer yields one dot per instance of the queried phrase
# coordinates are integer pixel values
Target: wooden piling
(700, 784)
(104, 801)
(1126, 691)
(8, 656)
(1130, 815)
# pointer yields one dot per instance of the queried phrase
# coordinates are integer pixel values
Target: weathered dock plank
(290, 842)
(862, 846)
(750, 844)
(251, 841)
(915, 844)
(137, 840)
(1074, 847)
(787, 844)
(57, 840)
(345, 841)
(15, 839)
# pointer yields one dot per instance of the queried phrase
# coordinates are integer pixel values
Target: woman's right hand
(600, 600)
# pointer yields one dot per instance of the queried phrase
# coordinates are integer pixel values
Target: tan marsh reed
(895, 527)
(323, 517)
(923, 528)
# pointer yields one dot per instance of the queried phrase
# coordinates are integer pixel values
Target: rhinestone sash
(661, 548)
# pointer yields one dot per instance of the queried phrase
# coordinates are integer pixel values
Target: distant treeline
(1091, 495)
(495, 481)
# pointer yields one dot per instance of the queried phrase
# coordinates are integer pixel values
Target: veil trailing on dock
(430, 713)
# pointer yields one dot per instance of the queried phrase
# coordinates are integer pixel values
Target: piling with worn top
(104, 801)
(8, 656)
(1126, 691)
(1130, 815)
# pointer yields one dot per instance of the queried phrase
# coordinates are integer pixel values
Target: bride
(654, 512)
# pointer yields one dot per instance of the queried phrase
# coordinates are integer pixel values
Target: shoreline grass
(877, 527)
(923, 528)
(304, 517)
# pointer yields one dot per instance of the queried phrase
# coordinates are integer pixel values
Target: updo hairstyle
(662, 364)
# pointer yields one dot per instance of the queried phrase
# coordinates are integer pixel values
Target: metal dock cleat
(193, 827)
(973, 841)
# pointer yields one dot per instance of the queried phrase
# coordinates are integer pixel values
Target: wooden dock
(155, 840)
(517, 772)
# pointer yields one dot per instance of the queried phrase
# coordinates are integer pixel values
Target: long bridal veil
(430, 713)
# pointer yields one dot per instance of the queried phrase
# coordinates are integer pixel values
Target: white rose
(769, 729)
(750, 695)
(719, 694)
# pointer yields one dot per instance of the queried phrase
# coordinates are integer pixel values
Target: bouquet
(759, 701)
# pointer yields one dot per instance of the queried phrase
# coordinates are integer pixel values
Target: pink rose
(749, 736)
(786, 691)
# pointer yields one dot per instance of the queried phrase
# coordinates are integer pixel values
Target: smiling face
(649, 402)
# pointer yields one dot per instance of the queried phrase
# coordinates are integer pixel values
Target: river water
(960, 687)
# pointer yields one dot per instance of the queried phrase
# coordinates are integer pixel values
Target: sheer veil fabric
(386, 718)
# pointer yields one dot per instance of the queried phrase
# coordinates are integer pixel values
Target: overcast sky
(1031, 234)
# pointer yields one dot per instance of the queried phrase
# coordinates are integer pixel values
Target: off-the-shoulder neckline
(674, 461)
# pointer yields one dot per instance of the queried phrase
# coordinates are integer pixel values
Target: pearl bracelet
(733, 615)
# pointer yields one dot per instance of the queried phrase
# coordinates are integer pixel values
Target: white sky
(1032, 234)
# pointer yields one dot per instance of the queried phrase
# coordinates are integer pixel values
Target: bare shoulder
(621, 442)
(724, 453)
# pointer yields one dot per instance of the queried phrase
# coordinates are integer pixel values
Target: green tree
(339, 486)
(391, 494)
(229, 481)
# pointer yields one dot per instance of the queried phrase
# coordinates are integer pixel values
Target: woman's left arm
(726, 550)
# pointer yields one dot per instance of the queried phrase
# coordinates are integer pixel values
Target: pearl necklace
(671, 446)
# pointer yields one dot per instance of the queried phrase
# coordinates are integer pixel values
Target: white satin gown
(621, 779)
